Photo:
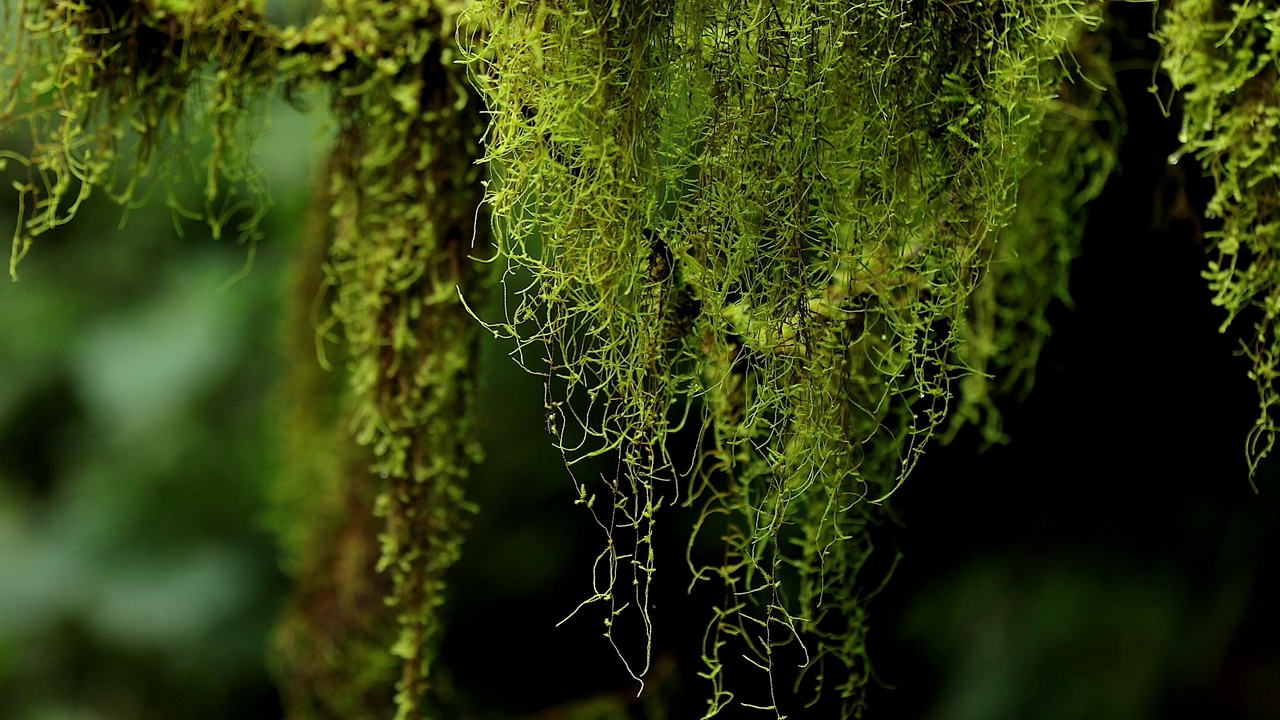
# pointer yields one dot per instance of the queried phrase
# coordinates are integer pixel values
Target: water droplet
(1174, 158)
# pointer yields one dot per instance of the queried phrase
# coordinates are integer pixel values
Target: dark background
(1112, 561)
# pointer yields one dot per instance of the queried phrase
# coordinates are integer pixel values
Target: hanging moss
(331, 658)
(96, 80)
(1006, 326)
(1224, 58)
(405, 193)
(793, 229)
(779, 211)
(404, 217)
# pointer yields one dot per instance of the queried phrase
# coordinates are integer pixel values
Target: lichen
(778, 212)
(1224, 59)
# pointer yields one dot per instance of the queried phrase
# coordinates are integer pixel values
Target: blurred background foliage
(1111, 562)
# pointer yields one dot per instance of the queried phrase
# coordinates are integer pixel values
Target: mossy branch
(404, 215)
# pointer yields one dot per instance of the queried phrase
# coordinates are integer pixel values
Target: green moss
(798, 228)
(331, 657)
(1069, 162)
(101, 77)
(779, 211)
(1224, 59)
(404, 195)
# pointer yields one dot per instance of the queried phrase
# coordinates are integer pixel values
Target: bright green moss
(402, 219)
(93, 80)
(1224, 59)
(776, 211)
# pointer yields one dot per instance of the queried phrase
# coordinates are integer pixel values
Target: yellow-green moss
(96, 81)
(1224, 59)
(779, 211)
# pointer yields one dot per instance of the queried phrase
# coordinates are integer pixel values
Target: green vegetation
(1224, 58)
(780, 213)
(807, 235)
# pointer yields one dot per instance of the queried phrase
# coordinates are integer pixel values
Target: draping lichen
(98, 82)
(1224, 59)
(779, 211)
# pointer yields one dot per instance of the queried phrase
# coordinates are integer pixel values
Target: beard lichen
(1224, 60)
(779, 213)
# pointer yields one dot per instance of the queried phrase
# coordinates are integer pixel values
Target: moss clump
(92, 79)
(1006, 325)
(780, 212)
(402, 219)
(1224, 58)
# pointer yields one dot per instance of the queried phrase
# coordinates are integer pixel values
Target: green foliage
(1225, 61)
(404, 197)
(88, 78)
(1069, 163)
(779, 211)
